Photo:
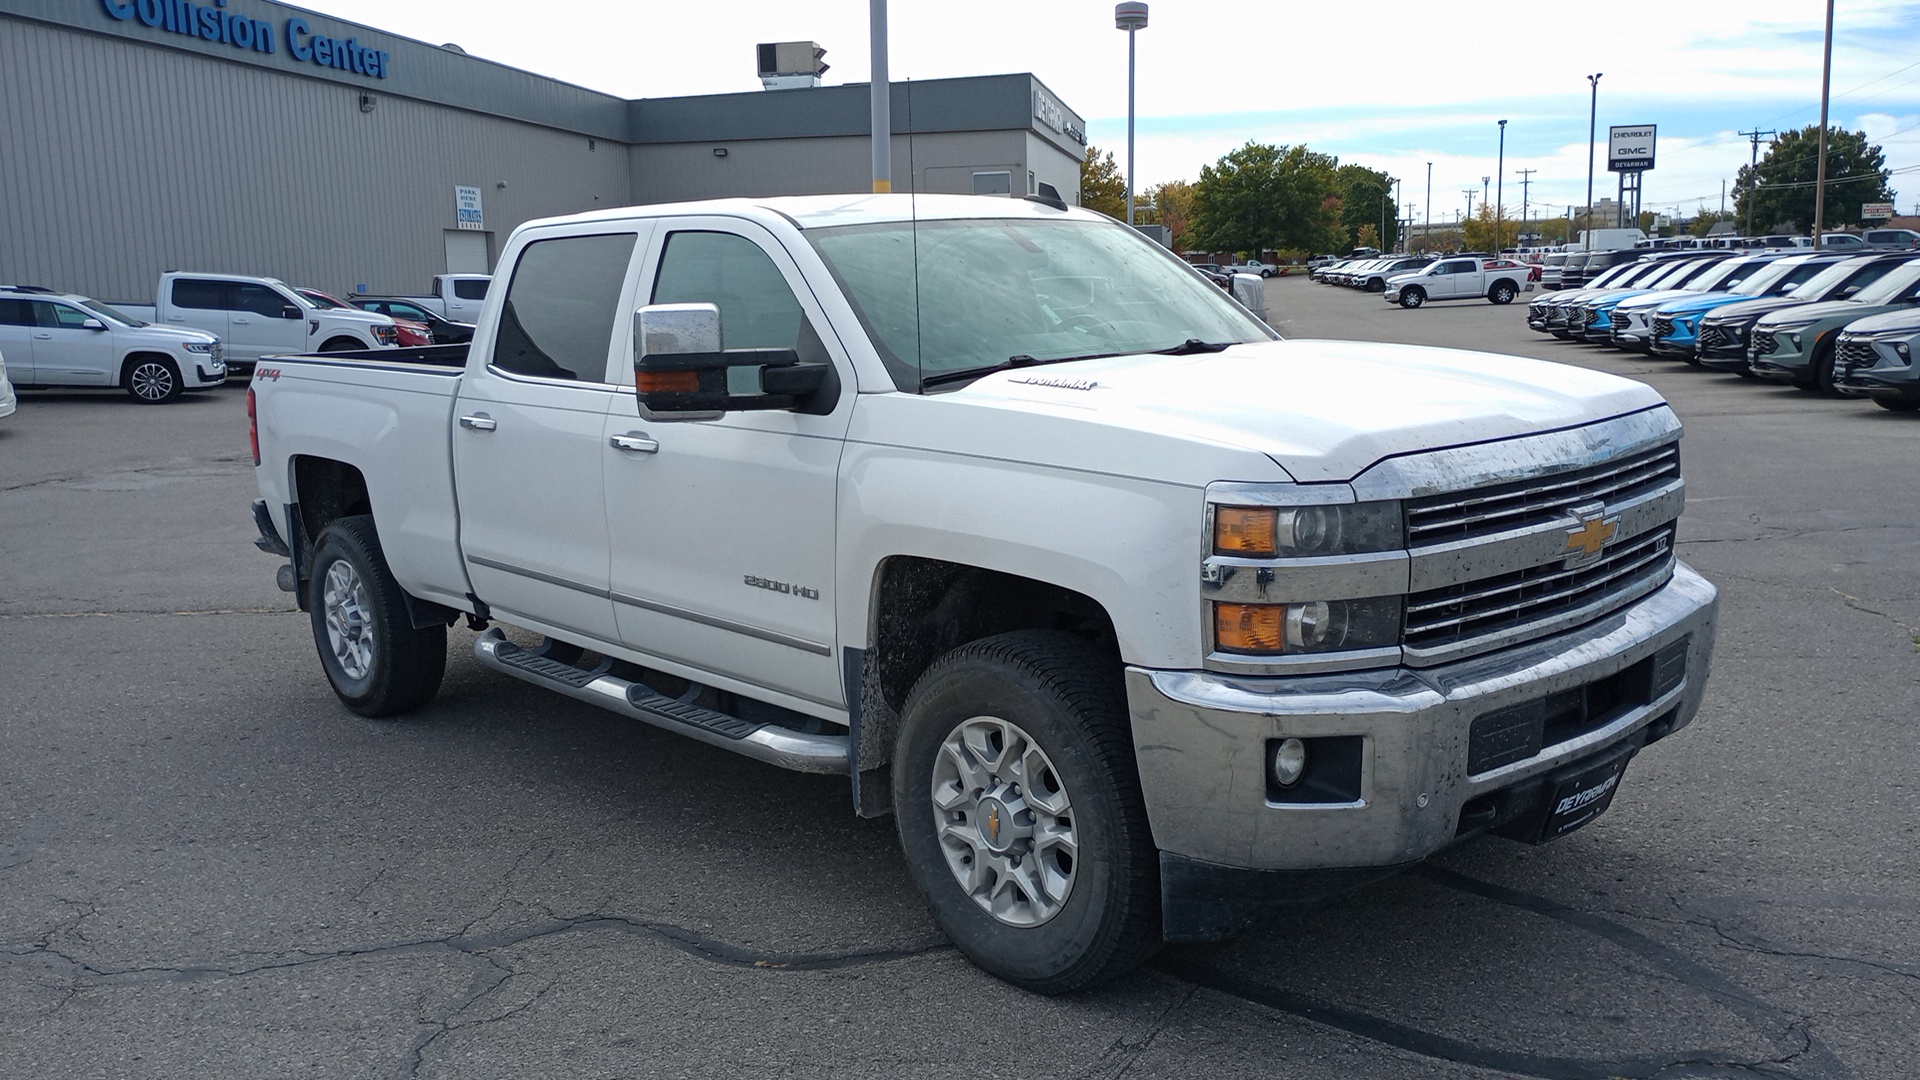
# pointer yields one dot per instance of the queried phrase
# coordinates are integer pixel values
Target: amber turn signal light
(1245, 530)
(667, 382)
(1250, 628)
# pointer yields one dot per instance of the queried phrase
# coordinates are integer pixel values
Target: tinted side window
(562, 304)
(757, 309)
(470, 289)
(258, 299)
(16, 313)
(197, 293)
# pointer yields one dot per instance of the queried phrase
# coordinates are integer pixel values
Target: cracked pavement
(208, 868)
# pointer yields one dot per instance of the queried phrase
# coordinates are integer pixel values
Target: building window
(993, 183)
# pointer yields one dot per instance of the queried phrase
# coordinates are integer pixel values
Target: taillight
(253, 426)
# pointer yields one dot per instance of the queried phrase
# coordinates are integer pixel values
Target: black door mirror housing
(680, 371)
(289, 312)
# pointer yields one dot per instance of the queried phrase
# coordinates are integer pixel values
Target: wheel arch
(323, 490)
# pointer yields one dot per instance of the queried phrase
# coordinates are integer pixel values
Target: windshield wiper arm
(1018, 360)
(1195, 345)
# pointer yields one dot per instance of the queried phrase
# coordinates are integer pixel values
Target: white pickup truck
(1137, 618)
(456, 297)
(1461, 278)
(257, 316)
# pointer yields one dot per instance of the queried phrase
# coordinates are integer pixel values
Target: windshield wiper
(1018, 360)
(1195, 345)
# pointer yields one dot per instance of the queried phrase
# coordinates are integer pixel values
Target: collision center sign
(1630, 148)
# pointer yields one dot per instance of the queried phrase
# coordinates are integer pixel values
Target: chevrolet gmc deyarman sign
(1630, 148)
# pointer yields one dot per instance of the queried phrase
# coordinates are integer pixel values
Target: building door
(467, 252)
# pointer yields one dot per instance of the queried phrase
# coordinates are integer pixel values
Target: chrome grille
(1763, 342)
(1620, 321)
(1855, 352)
(1465, 515)
(219, 351)
(1662, 326)
(1509, 601)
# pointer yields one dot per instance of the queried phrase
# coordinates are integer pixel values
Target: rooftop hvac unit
(791, 65)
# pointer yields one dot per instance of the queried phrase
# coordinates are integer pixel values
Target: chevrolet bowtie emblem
(1595, 532)
(993, 824)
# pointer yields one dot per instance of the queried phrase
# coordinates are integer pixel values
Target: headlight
(1291, 531)
(199, 346)
(386, 335)
(1313, 627)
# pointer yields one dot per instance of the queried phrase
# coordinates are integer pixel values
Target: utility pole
(1427, 233)
(1820, 182)
(1469, 194)
(1753, 173)
(1593, 113)
(1500, 195)
(1526, 178)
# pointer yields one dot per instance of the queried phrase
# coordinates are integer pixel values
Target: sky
(1389, 84)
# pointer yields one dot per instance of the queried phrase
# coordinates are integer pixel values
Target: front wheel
(1019, 809)
(1823, 372)
(152, 380)
(1412, 298)
(340, 344)
(1502, 293)
(378, 662)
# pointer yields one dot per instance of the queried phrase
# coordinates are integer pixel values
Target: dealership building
(252, 137)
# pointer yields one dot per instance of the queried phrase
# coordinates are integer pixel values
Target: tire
(152, 380)
(1376, 284)
(1412, 298)
(1895, 403)
(377, 661)
(340, 344)
(987, 726)
(1823, 356)
(1502, 292)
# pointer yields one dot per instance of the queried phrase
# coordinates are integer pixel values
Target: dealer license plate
(1583, 795)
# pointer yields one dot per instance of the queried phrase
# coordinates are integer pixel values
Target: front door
(66, 352)
(529, 436)
(723, 531)
(258, 323)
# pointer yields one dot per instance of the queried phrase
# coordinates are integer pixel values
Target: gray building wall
(128, 150)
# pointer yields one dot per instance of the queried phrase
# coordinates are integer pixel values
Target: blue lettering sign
(212, 22)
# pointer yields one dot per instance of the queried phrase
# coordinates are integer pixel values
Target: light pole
(1593, 114)
(1499, 184)
(1131, 17)
(879, 98)
(1820, 182)
(1426, 234)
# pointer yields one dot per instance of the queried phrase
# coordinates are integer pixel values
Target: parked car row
(1831, 322)
(1370, 274)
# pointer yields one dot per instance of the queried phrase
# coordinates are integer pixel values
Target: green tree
(1266, 198)
(1366, 198)
(1479, 231)
(1368, 236)
(1102, 187)
(1787, 180)
(1704, 222)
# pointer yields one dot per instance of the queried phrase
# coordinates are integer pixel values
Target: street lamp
(1130, 17)
(1426, 236)
(1593, 113)
(1499, 196)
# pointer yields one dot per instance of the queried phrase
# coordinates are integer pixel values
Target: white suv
(63, 339)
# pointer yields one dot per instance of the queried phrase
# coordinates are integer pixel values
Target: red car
(412, 335)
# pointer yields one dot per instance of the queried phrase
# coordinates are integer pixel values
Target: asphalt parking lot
(209, 868)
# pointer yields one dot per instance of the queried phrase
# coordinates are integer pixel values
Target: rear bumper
(1419, 775)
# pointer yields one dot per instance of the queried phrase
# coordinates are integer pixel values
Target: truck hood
(156, 333)
(350, 315)
(1323, 410)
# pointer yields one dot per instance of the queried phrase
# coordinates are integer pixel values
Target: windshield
(1722, 273)
(1842, 273)
(1778, 277)
(953, 296)
(106, 311)
(1887, 288)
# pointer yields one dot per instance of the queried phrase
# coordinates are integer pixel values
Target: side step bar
(770, 743)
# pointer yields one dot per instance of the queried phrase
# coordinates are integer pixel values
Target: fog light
(1289, 762)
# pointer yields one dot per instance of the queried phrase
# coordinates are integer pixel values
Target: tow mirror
(1251, 291)
(681, 372)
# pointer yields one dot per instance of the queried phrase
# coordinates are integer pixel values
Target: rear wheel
(1019, 809)
(1502, 292)
(1412, 298)
(152, 380)
(378, 662)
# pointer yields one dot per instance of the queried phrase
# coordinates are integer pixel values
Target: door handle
(637, 444)
(176, 318)
(481, 422)
(244, 322)
(44, 337)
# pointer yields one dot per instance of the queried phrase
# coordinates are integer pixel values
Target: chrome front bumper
(1202, 739)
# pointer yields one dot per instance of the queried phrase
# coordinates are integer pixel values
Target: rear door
(66, 352)
(17, 326)
(465, 297)
(201, 304)
(723, 530)
(529, 436)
